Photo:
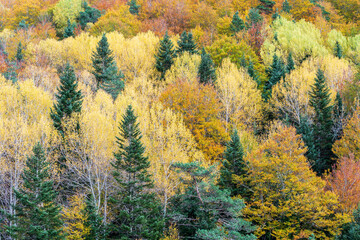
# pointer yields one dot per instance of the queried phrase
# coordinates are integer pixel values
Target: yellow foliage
(28, 10)
(66, 10)
(185, 67)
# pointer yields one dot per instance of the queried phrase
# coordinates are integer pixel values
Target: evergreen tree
(19, 53)
(275, 73)
(134, 7)
(23, 25)
(105, 70)
(286, 6)
(290, 63)
(306, 130)
(89, 15)
(276, 15)
(137, 211)
(338, 116)
(68, 98)
(253, 18)
(165, 56)
(11, 72)
(186, 43)
(266, 6)
(252, 73)
(206, 72)
(351, 231)
(233, 164)
(338, 50)
(237, 24)
(323, 123)
(203, 211)
(93, 221)
(69, 30)
(37, 215)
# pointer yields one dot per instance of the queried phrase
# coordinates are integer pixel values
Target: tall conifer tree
(37, 214)
(19, 53)
(286, 6)
(165, 56)
(89, 15)
(69, 30)
(93, 221)
(137, 211)
(275, 73)
(186, 43)
(290, 63)
(237, 24)
(134, 7)
(206, 73)
(338, 50)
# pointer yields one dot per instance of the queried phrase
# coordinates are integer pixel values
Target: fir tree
(275, 73)
(203, 211)
(253, 18)
(69, 30)
(165, 56)
(134, 7)
(93, 221)
(237, 24)
(206, 71)
(266, 6)
(338, 50)
(137, 212)
(89, 15)
(286, 6)
(19, 53)
(233, 164)
(68, 98)
(186, 43)
(305, 128)
(37, 215)
(351, 230)
(105, 70)
(323, 123)
(290, 63)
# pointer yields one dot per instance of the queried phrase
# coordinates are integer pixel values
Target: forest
(179, 119)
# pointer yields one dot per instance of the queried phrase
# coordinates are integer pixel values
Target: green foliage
(276, 15)
(186, 43)
(275, 73)
(93, 221)
(237, 24)
(165, 56)
(89, 15)
(134, 7)
(23, 25)
(266, 6)
(65, 10)
(338, 50)
(253, 18)
(37, 215)
(69, 30)
(286, 6)
(68, 98)
(105, 70)
(204, 211)
(137, 212)
(207, 74)
(19, 53)
(338, 117)
(290, 64)
(322, 124)
(351, 231)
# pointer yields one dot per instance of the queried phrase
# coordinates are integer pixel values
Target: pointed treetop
(206, 72)
(237, 24)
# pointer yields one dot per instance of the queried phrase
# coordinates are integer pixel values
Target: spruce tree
(233, 164)
(69, 30)
(290, 63)
(137, 211)
(89, 15)
(68, 98)
(19, 53)
(286, 6)
(266, 6)
(105, 70)
(37, 215)
(93, 221)
(275, 73)
(186, 43)
(134, 7)
(203, 211)
(253, 18)
(206, 72)
(322, 124)
(237, 24)
(338, 50)
(165, 56)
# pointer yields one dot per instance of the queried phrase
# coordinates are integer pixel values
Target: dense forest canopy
(179, 119)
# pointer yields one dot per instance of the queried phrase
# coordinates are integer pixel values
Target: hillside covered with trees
(179, 119)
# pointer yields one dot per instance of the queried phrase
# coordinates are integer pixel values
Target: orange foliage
(201, 108)
(106, 4)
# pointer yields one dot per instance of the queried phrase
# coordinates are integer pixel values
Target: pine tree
(266, 6)
(351, 230)
(105, 70)
(253, 18)
(19, 53)
(203, 211)
(237, 24)
(37, 215)
(275, 73)
(89, 15)
(68, 98)
(323, 123)
(134, 7)
(186, 43)
(338, 50)
(233, 164)
(206, 71)
(165, 56)
(69, 30)
(286, 6)
(137, 211)
(290, 63)
(93, 221)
